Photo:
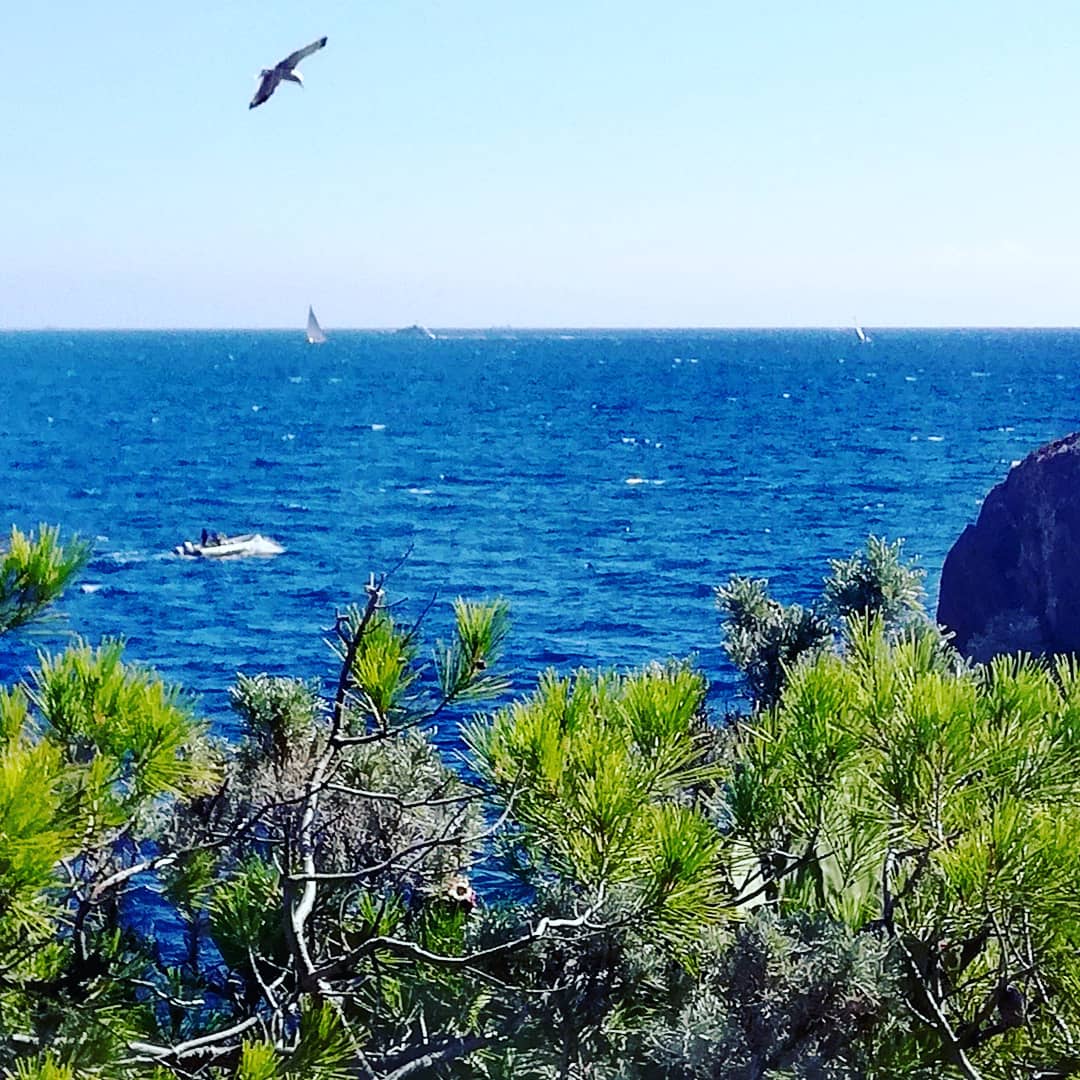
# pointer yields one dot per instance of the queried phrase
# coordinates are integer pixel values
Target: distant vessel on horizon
(860, 333)
(315, 333)
(416, 331)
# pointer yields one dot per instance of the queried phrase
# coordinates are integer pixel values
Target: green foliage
(765, 639)
(875, 581)
(939, 802)
(259, 1061)
(323, 1048)
(799, 997)
(134, 734)
(382, 667)
(462, 666)
(34, 571)
(320, 1051)
(872, 876)
(44, 1068)
(244, 920)
(277, 712)
(598, 769)
(36, 832)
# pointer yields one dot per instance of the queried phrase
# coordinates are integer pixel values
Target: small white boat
(216, 546)
(860, 333)
(315, 333)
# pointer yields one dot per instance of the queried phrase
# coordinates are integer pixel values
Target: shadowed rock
(1012, 580)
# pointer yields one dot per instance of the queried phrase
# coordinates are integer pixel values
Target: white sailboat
(315, 334)
(860, 333)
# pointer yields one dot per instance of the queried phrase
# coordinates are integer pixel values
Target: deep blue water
(604, 482)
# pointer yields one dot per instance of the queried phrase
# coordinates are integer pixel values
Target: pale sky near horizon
(570, 163)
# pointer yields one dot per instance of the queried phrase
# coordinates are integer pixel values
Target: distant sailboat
(315, 335)
(860, 333)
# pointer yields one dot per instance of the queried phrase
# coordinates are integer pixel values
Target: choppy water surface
(603, 482)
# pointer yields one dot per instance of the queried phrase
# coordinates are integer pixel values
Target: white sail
(860, 333)
(315, 335)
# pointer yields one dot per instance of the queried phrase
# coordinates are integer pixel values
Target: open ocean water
(602, 481)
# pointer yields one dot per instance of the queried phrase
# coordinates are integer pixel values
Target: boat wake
(247, 545)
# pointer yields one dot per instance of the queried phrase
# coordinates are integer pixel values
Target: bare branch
(413, 951)
(428, 1056)
(153, 1052)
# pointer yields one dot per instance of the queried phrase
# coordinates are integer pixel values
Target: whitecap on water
(935, 438)
(420, 491)
(121, 558)
(643, 480)
(296, 378)
(910, 378)
(378, 427)
(288, 437)
(89, 587)
(980, 374)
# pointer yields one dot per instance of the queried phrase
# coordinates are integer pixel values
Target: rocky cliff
(1012, 579)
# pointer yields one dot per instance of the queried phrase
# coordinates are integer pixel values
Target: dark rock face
(1012, 580)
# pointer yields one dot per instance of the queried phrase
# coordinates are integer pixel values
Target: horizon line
(505, 327)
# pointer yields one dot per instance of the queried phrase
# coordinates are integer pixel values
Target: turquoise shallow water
(603, 481)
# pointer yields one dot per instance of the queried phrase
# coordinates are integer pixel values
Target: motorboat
(218, 546)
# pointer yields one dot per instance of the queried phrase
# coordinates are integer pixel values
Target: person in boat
(205, 537)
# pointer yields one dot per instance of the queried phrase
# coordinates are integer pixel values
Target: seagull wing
(293, 59)
(267, 85)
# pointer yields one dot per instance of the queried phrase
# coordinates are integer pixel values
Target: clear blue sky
(565, 163)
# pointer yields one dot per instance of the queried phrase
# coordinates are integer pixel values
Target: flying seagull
(286, 69)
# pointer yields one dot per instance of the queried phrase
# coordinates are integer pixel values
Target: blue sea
(604, 482)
